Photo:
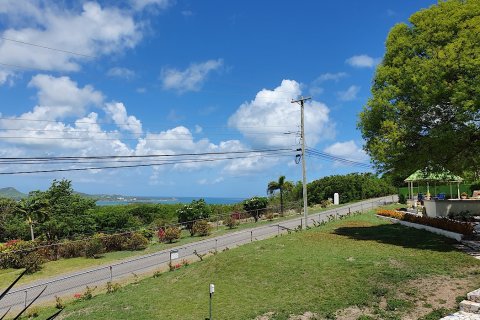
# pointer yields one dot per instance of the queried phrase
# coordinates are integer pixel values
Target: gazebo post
(458, 189)
(451, 193)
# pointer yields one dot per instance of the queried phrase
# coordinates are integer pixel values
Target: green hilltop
(11, 193)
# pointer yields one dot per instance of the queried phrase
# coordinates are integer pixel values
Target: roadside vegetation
(360, 267)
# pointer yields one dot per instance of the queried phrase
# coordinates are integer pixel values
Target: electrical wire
(47, 47)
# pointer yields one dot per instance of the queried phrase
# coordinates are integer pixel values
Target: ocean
(167, 200)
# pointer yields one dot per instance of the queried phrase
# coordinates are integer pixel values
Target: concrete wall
(441, 208)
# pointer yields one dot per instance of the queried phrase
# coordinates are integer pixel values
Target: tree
(255, 206)
(278, 185)
(35, 209)
(196, 210)
(425, 104)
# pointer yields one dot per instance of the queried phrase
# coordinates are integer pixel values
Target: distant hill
(11, 193)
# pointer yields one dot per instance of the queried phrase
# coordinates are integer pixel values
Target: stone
(470, 306)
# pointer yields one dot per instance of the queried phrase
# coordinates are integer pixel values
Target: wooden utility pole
(301, 102)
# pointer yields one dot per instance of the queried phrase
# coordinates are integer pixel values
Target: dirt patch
(352, 313)
(265, 316)
(434, 293)
(348, 224)
(306, 316)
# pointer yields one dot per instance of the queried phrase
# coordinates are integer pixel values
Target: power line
(328, 156)
(131, 166)
(147, 155)
(49, 48)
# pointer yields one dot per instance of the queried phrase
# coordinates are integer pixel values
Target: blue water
(169, 200)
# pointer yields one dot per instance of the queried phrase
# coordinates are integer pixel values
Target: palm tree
(34, 209)
(277, 185)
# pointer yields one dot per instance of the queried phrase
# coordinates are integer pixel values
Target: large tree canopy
(425, 104)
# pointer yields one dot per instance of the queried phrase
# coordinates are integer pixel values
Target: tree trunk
(31, 231)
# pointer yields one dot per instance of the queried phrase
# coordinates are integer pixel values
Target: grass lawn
(346, 268)
(55, 268)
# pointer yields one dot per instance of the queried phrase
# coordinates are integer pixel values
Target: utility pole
(301, 102)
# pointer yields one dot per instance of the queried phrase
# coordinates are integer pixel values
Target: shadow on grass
(398, 235)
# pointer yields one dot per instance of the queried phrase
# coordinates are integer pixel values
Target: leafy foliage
(231, 222)
(196, 210)
(255, 206)
(172, 234)
(464, 228)
(202, 228)
(351, 187)
(425, 96)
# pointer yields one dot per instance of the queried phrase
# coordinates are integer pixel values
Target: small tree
(202, 228)
(196, 210)
(255, 206)
(231, 222)
(172, 234)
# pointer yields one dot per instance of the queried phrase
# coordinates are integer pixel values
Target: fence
(77, 282)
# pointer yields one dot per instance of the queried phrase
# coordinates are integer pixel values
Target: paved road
(75, 282)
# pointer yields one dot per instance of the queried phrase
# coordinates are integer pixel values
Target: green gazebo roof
(445, 176)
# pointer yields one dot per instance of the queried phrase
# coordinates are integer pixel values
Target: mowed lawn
(386, 270)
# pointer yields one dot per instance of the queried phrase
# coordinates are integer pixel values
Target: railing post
(26, 292)
(111, 274)
(251, 236)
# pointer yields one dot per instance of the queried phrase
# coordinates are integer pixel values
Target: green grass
(62, 266)
(354, 261)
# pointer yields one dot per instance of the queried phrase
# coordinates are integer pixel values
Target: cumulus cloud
(272, 120)
(90, 31)
(190, 79)
(363, 61)
(349, 94)
(119, 72)
(118, 113)
(347, 150)
(60, 97)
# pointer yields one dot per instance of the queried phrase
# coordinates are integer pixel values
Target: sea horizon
(166, 200)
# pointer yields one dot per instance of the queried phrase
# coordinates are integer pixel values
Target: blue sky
(142, 77)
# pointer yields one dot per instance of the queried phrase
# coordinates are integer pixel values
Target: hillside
(11, 193)
(357, 268)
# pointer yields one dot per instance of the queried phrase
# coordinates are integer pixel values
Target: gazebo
(433, 177)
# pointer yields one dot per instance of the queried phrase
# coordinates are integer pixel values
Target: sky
(168, 77)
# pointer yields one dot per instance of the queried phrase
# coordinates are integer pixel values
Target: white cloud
(118, 113)
(187, 13)
(198, 129)
(91, 31)
(363, 61)
(60, 97)
(192, 78)
(141, 4)
(347, 150)
(120, 72)
(349, 94)
(265, 120)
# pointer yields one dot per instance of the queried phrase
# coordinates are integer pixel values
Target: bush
(255, 206)
(402, 198)
(197, 209)
(325, 203)
(202, 228)
(231, 222)
(172, 234)
(147, 233)
(114, 242)
(71, 249)
(464, 228)
(94, 248)
(269, 216)
(462, 216)
(136, 241)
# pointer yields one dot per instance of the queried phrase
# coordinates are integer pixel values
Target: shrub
(255, 206)
(94, 248)
(269, 216)
(231, 222)
(71, 249)
(325, 203)
(136, 241)
(462, 216)
(402, 198)
(114, 242)
(197, 209)
(161, 234)
(202, 228)
(59, 303)
(464, 228)
(147, 233)
(112, 287)
(172, 234)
